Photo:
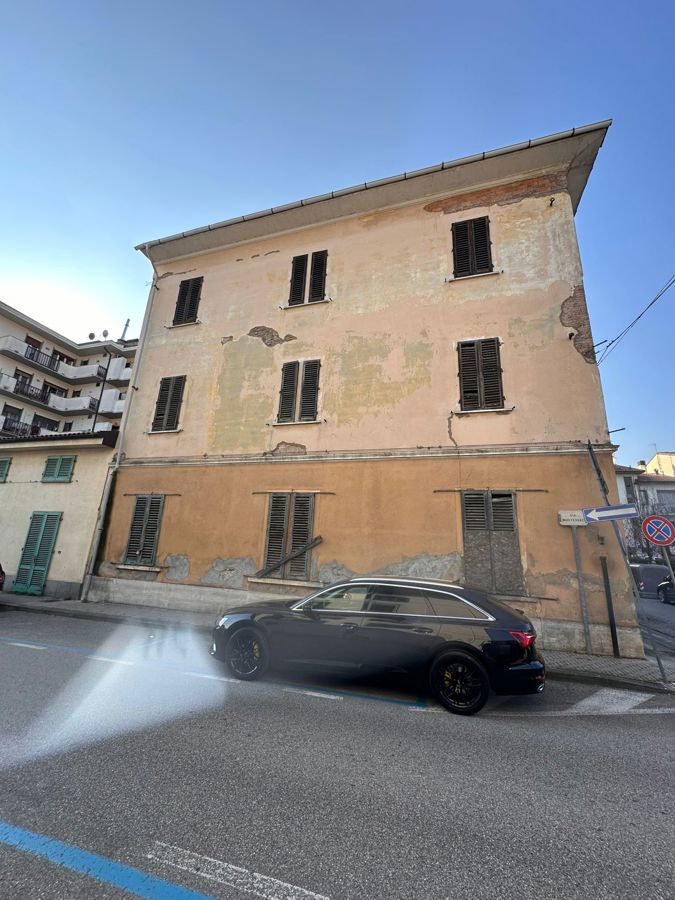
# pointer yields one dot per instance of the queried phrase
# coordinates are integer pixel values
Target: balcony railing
(25, 389)
(22, 429)
(42, 359)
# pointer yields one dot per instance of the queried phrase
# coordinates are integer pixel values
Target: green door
(37, 553)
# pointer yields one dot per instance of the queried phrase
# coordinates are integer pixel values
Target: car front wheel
(246, 654)
(459, 682)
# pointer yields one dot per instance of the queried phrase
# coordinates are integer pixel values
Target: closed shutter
(301, 534)
(475, 511)
(287, 394)
(51, 468)
(59, 468)
(276, 530)
(491, 374)
(309, 394)
(169, 400)
(37, 552)
(317, 278)
(187, 303)
(471, 247)
(298, 277)
(4, 468)
(503, 512)
(469, 375)
(144, 530)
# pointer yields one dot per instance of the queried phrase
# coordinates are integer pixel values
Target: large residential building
(60, 408)
(49, 383)
(395, 378)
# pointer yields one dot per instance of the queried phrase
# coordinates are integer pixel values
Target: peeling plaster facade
(391, 450)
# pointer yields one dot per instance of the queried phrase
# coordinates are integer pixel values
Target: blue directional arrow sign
(607, 513)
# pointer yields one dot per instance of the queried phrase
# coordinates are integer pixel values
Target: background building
(395, 378)
(49, 383)
(662, 463)
(655, 495)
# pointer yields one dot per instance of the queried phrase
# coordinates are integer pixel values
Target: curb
(582, 677)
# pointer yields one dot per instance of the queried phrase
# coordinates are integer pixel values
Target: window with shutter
(480, 375)
(317, 279)
(492, 560)
(187, 304)
(294, 405)
(169, 400)
(4, 468)
(289, 527)
(59, 468)
(471, 247)
(475, 511)
(144, 531)
(298, 278)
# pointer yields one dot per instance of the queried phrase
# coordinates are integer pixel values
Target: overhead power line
(612, 345)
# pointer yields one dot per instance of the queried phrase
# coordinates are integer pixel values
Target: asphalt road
(130, 766)
(661, 617)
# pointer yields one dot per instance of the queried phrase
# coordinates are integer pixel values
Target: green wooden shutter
(301, 534)
(169, 400)
(298, 277)
(144, 531)
(4, 468)
(317, 278)
(287, 394)
(277, 522)
(59, 468)
(309, 393)
(33, 567)
(51, 468)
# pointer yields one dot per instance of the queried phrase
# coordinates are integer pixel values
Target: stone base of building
(554, 634)
(53, 590)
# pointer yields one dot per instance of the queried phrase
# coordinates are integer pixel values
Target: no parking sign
(659, 530)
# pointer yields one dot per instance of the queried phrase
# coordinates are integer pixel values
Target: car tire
(459, 682)
(662, 597)
(246, 654)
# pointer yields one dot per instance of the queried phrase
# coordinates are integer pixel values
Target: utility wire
(611, 345)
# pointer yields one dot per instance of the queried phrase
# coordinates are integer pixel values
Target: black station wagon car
(461, 641)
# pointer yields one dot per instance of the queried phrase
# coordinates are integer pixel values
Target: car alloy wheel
(459, 682)
(246, 654)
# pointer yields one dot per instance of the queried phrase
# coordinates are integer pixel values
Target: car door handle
(348, 626)
(424, 630)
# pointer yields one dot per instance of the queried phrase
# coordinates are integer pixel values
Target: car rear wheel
(459, 682)
(246, 654)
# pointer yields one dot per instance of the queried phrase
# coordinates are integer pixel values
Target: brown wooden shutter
(503, 511)
(491, 374)
(482, 258)
(187, 303)
(298, 278)
(169, 400)
(317, 278)
(276, 529)
(474, 508)
(461, 250)
(309, 394)
(469, 375)
(301, 533)
(287, 394)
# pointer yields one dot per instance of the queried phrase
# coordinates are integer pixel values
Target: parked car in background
(463, 643)
(666, 591)
(648, 577)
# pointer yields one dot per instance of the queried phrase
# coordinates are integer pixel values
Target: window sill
(307, 303)
(309, 422)
(57, 481)
(129, 568)
(478, 275)
(184, 324)
(502, 411)
(165, 431)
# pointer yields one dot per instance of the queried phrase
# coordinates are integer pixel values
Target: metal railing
(42, 359)
(21, 429)
(25, 389)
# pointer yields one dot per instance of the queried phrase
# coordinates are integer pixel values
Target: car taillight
(524, 638)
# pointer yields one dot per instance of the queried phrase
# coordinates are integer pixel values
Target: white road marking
(323, 696)
(608, 702)
(28, 646)
(234, 876)
(213, 677)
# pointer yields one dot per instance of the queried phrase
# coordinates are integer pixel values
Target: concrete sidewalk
(640, 674)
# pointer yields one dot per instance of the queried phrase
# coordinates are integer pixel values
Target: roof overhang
(572, 151)
(62, 441)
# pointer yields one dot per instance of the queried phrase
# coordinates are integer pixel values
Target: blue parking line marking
(134, 881)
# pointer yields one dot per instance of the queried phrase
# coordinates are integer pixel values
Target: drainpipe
(117, 458)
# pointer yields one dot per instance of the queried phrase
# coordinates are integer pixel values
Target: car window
(397, 600)
(349, 598)
(453, 607)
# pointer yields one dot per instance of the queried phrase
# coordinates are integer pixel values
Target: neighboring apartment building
(662, 463)
(395, 378)
(49, 383)
(655, 495)
(60, 408)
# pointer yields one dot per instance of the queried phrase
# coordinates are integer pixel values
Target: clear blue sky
(126, 121)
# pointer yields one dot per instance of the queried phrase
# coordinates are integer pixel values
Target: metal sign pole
(582, 590)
